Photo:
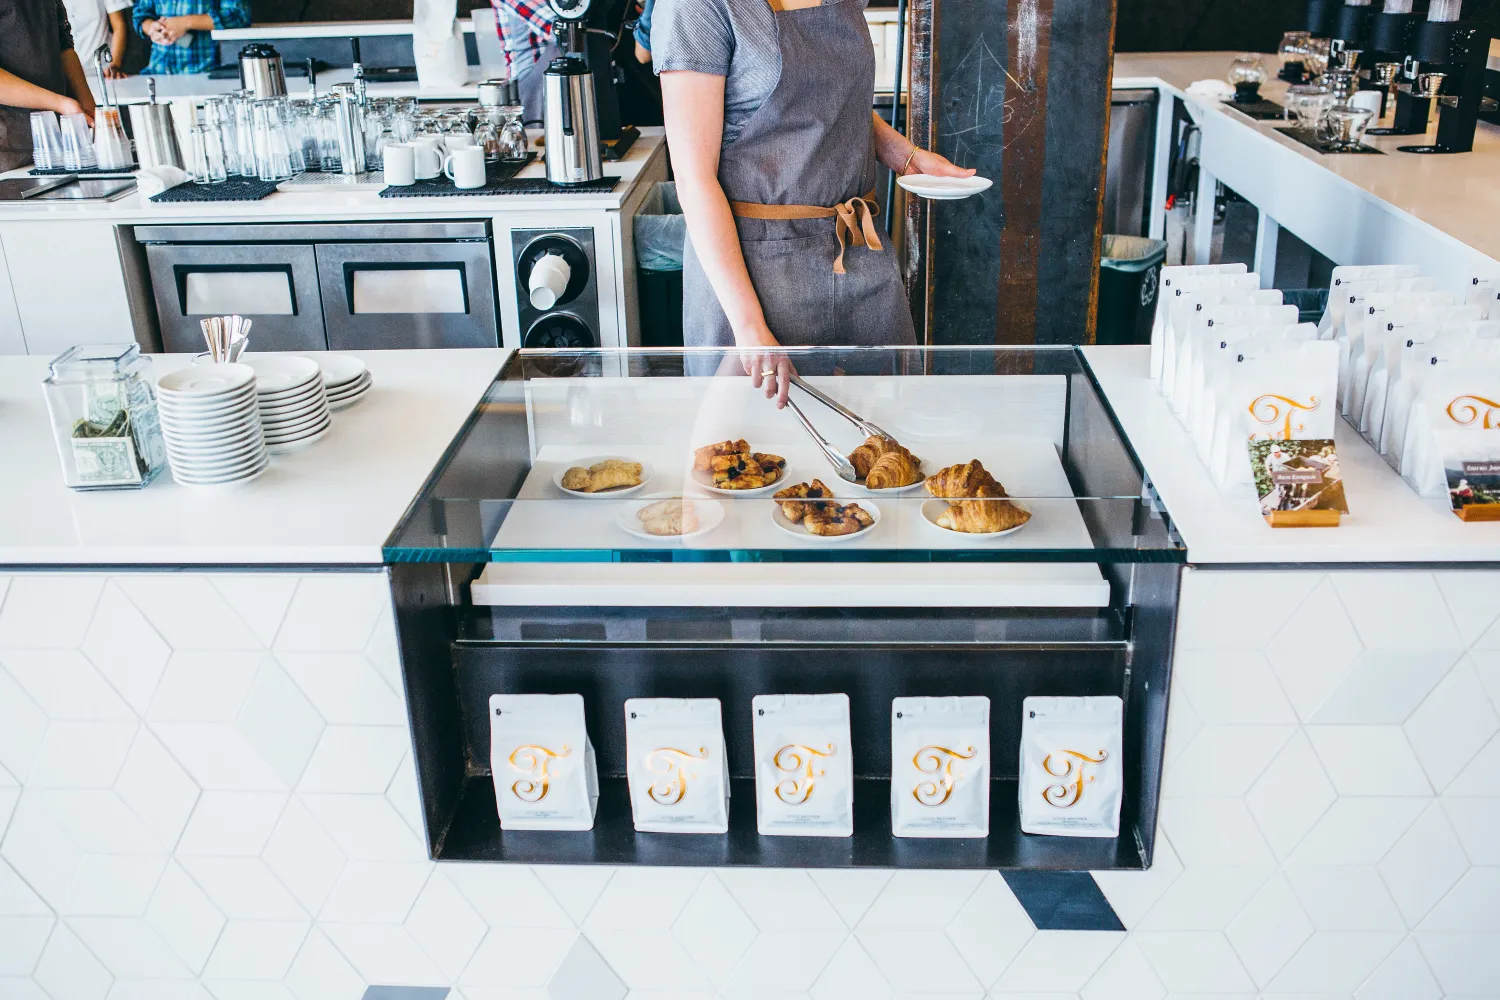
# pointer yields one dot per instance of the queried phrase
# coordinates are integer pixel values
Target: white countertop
(315, 202)
(1455, 195)
(334, 502)
(1387, 523)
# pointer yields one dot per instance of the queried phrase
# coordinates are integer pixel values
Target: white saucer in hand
(943, 188)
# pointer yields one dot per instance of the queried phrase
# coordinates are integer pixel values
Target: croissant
(836, 519)
(864, 457)
(703, 456)
(967, 480)
(982, 517)
(793, 499)
(609, 474)
(897, 467)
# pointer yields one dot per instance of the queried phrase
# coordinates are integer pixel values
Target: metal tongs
(840, 463)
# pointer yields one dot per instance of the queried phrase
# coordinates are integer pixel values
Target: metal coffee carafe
(155, 136)
(261, 71)
(572, 125)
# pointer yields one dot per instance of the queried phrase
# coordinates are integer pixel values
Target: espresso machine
(1446, 63)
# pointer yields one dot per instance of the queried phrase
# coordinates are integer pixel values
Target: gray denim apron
(799, 179)
(31, 40)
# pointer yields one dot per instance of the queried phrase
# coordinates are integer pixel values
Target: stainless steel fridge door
(275, 285)
(406, 295)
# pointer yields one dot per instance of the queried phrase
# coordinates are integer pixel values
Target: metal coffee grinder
(569, 110)
(1446, 63)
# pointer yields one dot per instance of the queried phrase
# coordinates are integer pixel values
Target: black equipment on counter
(1447, 62)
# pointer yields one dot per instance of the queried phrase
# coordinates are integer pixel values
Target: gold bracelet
(910, 156)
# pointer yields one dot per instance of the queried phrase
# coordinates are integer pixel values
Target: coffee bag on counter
(676, 765)
(940, 767)
(542, 762)
(804, 773)
(1072, 778)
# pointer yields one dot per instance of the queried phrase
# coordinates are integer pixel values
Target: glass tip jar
(104, 422)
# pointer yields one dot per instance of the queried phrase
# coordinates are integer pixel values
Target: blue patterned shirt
(201, 53)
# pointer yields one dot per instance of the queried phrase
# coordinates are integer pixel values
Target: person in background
(96, 23)
(526, 37)
(39, 71)
(180, 31)
(643, 33)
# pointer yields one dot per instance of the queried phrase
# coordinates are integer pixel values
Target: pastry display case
(914, 522)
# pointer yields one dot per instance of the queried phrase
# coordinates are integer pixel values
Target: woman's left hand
(927, 162)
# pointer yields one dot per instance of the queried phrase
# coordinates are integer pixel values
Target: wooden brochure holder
(1303, 518)
(1479, 512)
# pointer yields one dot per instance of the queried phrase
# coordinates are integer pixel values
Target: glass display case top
(877, 455)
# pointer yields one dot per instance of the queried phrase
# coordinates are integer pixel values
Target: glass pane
(419, 290)
(995, 455)
(253, 293)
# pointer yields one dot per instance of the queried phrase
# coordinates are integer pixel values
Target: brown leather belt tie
(854, 223)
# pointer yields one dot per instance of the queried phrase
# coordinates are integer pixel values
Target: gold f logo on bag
(1470, 411)
(1272, 409)
(670, 763)
(533, 762)
(938, 761)
(1074, 766)
(796, 759)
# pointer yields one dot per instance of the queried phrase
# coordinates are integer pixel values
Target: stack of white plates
(293, 405)
(210, 424)
(346, 378)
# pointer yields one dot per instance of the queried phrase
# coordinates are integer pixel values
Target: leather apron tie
(855, 225)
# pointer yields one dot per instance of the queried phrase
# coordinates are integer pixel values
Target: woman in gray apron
(38, 69)
(773, 144)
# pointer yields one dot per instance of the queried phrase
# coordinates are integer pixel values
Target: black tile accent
(406, 993)
(1063, 901)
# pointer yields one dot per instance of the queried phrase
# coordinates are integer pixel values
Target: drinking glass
(111, 146)
(77, 144)
(272, 157)
(286, 122)
(218, 114)
(1304, 105)
(244, 134)
(328, 135)
(513, 142)
(1342, 127)
(206, 155)
(46, 141)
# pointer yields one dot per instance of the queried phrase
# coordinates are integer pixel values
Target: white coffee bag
(804, 772)
(542, 762)
(676, 765)
(940, 767)
(1072, 777)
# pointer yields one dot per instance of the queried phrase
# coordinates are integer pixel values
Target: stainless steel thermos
(572, 124)
(155, 137)
(261, 71)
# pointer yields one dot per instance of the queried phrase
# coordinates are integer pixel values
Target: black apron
(32, 35)
(800, 179)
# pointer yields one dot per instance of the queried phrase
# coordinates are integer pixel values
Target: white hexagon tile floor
(206, 793)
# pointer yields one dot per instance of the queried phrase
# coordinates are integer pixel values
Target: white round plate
(317, 427)
(204, 456)
(284, 420)
(295, 428)
(933, 509)
(205, 406)
(190, 480)
(211, 441)
(793, 528)
(339, 369)
(207, 426)
(198, 381)
(622, 491)
(943, 188)
(339, 404)
(307, 390)
(297, 444)
(356, 389)
(292, 414)
(710, 516)
(281, 372)
(216, 470)
(704, 479)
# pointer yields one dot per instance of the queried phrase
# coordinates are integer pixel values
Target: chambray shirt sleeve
(144, 10)
(230, 14)
(694, 35)
(643, 25)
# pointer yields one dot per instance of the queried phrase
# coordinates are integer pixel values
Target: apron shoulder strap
(784, 5)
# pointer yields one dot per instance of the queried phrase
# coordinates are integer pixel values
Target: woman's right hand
(765, 362)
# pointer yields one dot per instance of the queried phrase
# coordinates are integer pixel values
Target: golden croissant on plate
(837, 519)
(884, 464)
(982, 517)
(795, 499)
(610, 474)
(970, 479)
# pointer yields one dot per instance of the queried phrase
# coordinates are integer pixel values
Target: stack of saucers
(293, 405)
(346, 378)
(210, 424)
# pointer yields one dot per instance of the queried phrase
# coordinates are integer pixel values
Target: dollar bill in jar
(106, 461)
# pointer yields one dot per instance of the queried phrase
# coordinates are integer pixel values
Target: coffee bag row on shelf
(1071, 778)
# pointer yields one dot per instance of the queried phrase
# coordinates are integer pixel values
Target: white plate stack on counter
(346, 379)
(210, 424)
(1391, 354)
(293, 404)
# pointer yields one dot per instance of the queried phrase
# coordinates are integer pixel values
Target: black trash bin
(659, 234)
(1129, 273)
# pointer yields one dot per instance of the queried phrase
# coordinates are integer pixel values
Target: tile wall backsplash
(206, 793)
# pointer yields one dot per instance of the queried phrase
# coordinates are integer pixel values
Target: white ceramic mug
(429, 156)
(400, 159)
(465, 167)
(455, 141)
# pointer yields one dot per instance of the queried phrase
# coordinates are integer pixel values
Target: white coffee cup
(400, 160)
(458, 141)
(465, 167)
(429, 156)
